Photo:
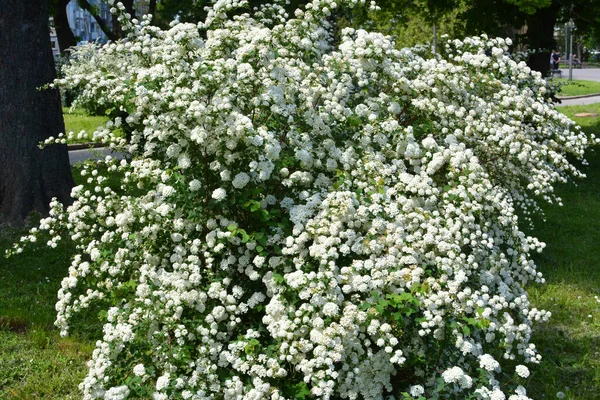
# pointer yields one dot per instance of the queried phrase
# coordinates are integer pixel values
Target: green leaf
(251, 346)
(245, 236)
(253, 205)
(466, 330)
(102, 315)
(261, 239)
(301, 390)
(354, 121)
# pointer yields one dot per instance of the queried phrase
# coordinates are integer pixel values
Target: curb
(583, 96)
(83, 146)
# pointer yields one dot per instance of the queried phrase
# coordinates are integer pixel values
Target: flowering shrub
(305, 219)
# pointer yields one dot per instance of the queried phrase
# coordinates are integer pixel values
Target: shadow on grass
(570, 364)
(35, 362)
(570, 341)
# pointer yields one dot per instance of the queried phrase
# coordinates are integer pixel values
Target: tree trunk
(64, 34)
(29, 177)
(540, 35)
(152, 7)
(116, 27)
(129, 7)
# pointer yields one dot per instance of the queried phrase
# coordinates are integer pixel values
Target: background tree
(531, 22)
(29, 177)
(111, 28)
(64, 34)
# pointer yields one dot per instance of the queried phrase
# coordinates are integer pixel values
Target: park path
(587, 74)
(76, 156)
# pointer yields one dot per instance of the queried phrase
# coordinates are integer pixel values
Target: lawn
(570, 342)
(35, 363)
(578, 87)
(589, 124)
(77, 121)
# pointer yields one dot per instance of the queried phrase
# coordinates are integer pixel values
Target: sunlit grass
(578, 87)
(570, 342)
(77, 121)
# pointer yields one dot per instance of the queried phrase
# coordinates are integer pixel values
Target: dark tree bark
(64, 34)
(152, 7)
(29, 177)
(129, 7)
(116, 27)
(540, 35)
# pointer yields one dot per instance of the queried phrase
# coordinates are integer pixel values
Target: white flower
(488, 363)
(240, 180)
(162, 381)
(457, 375)
(195, 185)
(522, 371)
(330, 309)
(219, 194)
(166, 191)
(184, 161)
(139, 370)
(416, 390)
(117, 393)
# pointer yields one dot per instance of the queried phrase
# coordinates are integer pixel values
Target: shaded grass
(77, 121)
(578, 87)
(35, 363)
(570, 341)
(41, 365)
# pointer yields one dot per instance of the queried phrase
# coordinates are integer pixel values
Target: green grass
(35, 363)
(77, 121)
(578, 87)
(570, 342)
(589, 124)
(40, 365)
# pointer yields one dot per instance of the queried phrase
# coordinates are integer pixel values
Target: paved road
(76, 156)
(587, 74)
(579, 102)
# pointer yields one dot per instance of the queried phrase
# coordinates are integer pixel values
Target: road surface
(76, 156)
(586, 74)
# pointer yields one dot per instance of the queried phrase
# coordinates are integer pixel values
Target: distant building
(54, 40)
(82, 23)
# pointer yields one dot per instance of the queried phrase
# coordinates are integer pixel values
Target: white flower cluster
(300, 218)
